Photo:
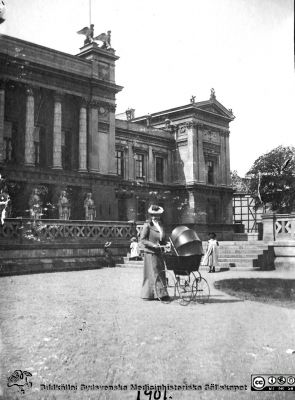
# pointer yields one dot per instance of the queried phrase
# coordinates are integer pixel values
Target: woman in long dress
(152, 236)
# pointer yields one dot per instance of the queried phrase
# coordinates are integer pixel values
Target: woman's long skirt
(153, 265)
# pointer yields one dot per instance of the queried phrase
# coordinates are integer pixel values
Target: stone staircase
(234, 256)
(243, 255)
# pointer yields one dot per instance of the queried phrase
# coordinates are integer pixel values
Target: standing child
(108, 255)
(211, 256)
(134, 249)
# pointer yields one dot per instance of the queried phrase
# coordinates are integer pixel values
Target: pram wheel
(185, 288)
(201, 290)
(165, 285)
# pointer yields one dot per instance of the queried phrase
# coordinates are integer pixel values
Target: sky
(171, 50)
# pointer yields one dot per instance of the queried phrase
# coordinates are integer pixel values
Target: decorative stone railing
(19, 229)
(278, 226)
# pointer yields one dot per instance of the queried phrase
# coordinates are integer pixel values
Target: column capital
(191, 124)
(3, 83)
(224, 133)
(29, 90)
(102, 105)
(58, 96)
(93, 103)
(83, 101)
(112, 107)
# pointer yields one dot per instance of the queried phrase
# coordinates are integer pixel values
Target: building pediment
(216, 108)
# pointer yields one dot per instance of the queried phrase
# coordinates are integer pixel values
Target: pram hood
(186, 241)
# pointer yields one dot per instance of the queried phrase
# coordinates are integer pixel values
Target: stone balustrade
(278, 227)
(56, 230)
(19, 229)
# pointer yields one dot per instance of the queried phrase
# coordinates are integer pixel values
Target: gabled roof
(211, 106)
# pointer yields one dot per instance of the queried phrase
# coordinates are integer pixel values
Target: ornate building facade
(59, 132)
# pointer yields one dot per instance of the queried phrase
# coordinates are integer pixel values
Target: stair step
(126, 259)
(235, 259)
(219, 268)
(239, 255)
(128, 265)
(238, 265)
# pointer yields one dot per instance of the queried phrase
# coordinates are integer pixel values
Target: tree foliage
(272, 179)
(240, 185)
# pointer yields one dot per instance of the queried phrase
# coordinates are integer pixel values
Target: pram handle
(176, 252)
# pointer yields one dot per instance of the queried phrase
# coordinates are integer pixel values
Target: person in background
(211, 256)
(134, 249)
(151, 238)
(108, 256)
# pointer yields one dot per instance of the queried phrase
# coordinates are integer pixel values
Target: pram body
(182, 266)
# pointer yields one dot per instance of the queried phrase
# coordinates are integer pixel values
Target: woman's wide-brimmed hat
(133, 239)
(107, 244)
(155, 210)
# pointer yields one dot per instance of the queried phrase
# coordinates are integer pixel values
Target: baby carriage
(180, 277)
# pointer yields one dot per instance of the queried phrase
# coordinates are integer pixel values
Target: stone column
(151, 167)
(2, 110)
(83, 138)
(112, 140)
(130, 162)
(227, 159)
(57, 119)
(189, 162)
(166, 177)
(222, 173)
(29, 131)
(93, 147)
(201, 159)
(169, 168)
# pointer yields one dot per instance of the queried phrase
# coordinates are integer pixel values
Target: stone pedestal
(268, 221)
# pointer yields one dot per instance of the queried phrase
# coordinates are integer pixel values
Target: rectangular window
(159, 169)
(7, 141)
(210, 172)
(120, 163)
(37, 153)
(7, 149)
(141, 207)
(139, 166)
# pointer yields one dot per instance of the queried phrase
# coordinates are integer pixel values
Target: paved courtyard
(91, 328)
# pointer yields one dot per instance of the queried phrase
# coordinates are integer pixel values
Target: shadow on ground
(267, 290)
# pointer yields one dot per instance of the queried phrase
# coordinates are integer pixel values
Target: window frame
(210, 172)
(120, 161)
(162, 172)
(140, 164)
